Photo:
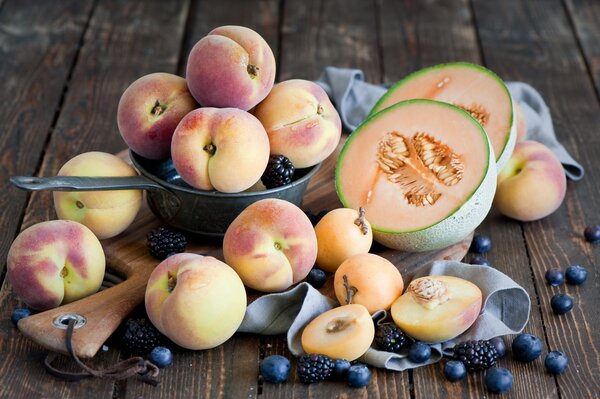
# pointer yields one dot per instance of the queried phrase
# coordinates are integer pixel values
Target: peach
(521, 124)
(106, 213)
(149, 111)
(437, 308)
(532, 185)
(232, 66)
(301, 122)
(345, 332)
(341, 233)
(369, 280)
(55, 262)
(271, 245)
(197, 301)
(222, 149)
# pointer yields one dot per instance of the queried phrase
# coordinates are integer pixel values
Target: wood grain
(535, 44)
(38, 45)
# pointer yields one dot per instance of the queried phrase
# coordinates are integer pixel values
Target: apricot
(220, 149)
(369, 280)
(232, 66)
(106, 213)
(437, 308)
(301, 122)
(271, 245)
(341, 233)
(345, 332)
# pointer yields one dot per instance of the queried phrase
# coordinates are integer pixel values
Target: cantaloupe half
(424, 171)
(472, 87)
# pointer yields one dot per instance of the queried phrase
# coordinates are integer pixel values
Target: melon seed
(477, 111)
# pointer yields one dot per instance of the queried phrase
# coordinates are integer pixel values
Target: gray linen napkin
(505, 311)
(354, 98)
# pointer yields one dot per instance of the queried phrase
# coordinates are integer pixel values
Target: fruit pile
(227, 127)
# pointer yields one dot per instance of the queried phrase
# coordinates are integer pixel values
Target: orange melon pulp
(472, 87)
(423, 170)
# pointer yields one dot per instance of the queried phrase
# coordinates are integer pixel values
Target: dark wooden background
(64, 65)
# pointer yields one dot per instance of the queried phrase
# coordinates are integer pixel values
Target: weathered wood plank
(585, 18)
(124, 41)
(38, 45)
(532, 41)
(230, 370)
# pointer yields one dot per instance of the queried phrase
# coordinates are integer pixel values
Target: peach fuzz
(222, 149)
(533, 183)
(271, 245)
(373, 281)
(106, 213)
(345, 332)
(197, 301)
(341, 233)
(301, 121)
(232, 66)
(149, 111)
(55, 262)
(437, 308)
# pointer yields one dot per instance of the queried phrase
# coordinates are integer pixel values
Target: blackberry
(279, 172)
(140, 336)
(314, 368)
(389, 337)
(476, 355)
(163, 243)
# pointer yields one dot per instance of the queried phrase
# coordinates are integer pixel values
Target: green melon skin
(456, 226)
(504, 156)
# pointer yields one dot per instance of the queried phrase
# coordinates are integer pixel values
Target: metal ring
(62, 321)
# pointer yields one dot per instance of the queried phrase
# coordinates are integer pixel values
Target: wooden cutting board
(128, 256)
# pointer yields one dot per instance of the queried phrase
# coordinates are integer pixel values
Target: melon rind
(450, 230)
(511, 140)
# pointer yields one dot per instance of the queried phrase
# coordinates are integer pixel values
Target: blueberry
(161, 356)
(500, 346)
(576, 274)
(592, 233)
(316, 277)
(455, 370)
(18, 314)
(526, 347)
(340, 369)
(555, 276)
(275, 369)
(498, 380)
(480, 260)
(358, 376)
(419, 352)
(561, 303)
(556, 362)
(481, 244)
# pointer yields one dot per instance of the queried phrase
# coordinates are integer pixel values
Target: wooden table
(64, 65)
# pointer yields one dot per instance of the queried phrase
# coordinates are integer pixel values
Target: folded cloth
(354, 98)
(505, 311)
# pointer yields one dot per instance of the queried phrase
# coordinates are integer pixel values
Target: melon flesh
(469, 86)
(423, 204)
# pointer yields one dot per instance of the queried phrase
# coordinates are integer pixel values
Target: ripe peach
(106, 213)
(341, 233)
(150, 109)
(222, 149)
(521, 123)
(369, 280)
(271, 245)
(55, 262)
(301, 122)
(532, 185)
(232, 66)
(437, 308)
(345, 332)
(197, 301)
